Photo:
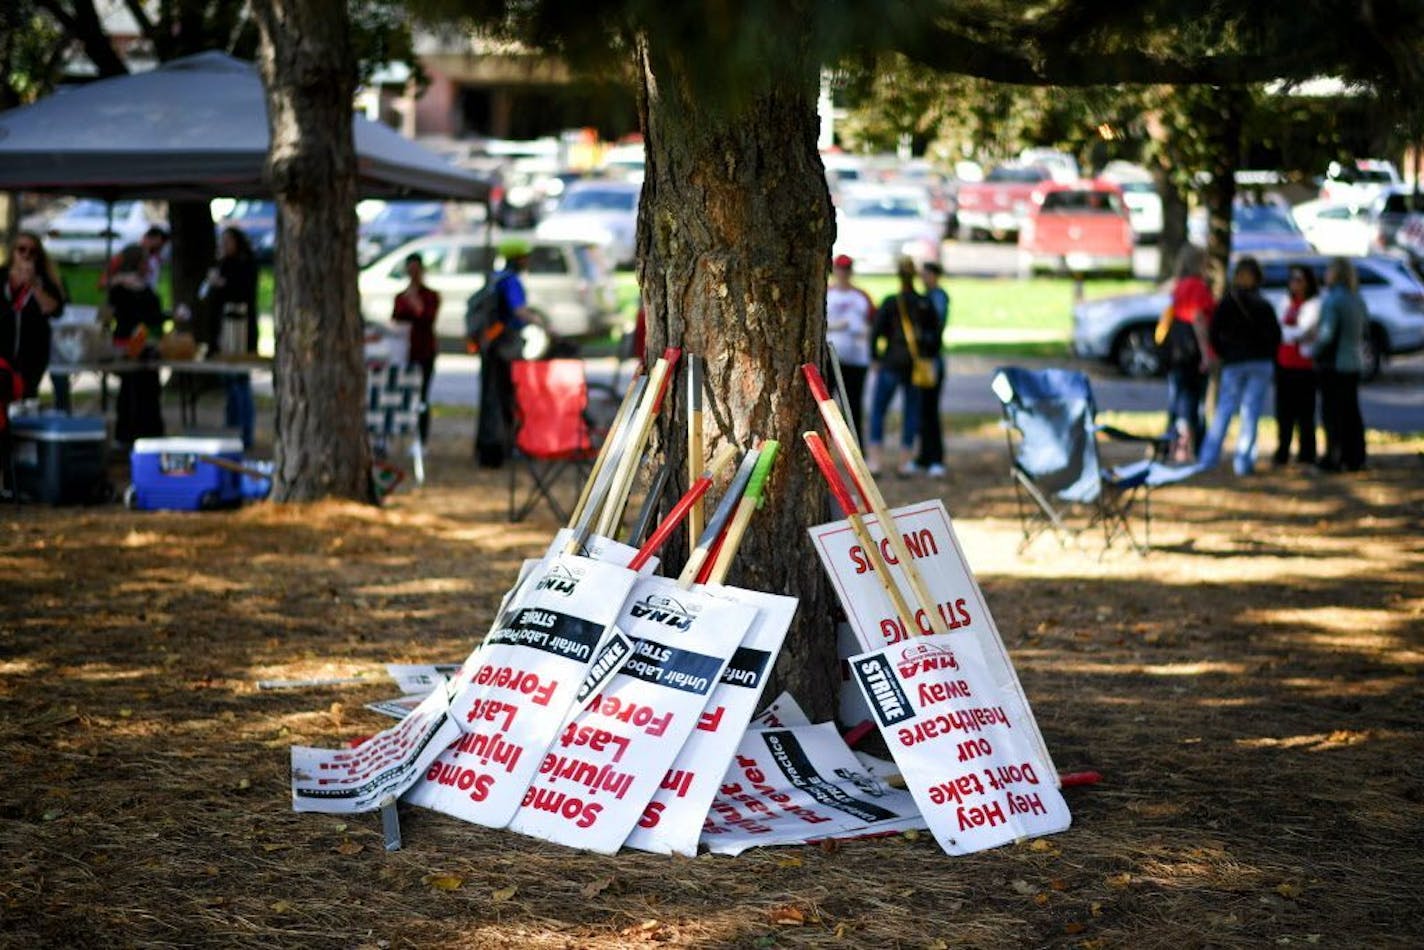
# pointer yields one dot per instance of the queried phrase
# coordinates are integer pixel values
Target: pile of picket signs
(611, 707)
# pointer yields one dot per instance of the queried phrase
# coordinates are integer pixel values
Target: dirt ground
(1250, 693)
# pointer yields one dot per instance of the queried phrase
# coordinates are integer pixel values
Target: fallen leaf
(1119, 880)
(1092, 945)
(505, 893)
(1058, 884)
(911, 835)
(125, 713)
(244, 784)
(348, 847)
(1096, 909)
(444, 882)
(791, 861)
(841, 930)
(1023, 887)
(830, 845)
(1073, 927)
(1291, 891)
(281, 907)
(1040, 845)
(788, 916)
(938, 945)
(593, 888)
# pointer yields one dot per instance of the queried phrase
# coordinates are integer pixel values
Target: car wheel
(1372, 352)
(1136, 353)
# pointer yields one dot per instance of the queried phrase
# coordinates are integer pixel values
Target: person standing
(849, 315)
(931, 457)
(33, 297)
(232, 291)
(418, 306)
(496, 423)
(1244, 336)
(1295, 370)
(135, 307)
(1338, 342)
(1186, 351)
(902, 317)
(154, 240)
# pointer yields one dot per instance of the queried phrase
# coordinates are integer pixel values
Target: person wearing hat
(849, 315)
(496, 423)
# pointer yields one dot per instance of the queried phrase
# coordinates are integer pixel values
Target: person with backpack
(1244, 337)
(1183, 346)
(495, 319)
(904, 333)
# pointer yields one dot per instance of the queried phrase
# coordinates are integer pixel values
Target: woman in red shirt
(418, 305)
(1187, 365)
(1295, 369)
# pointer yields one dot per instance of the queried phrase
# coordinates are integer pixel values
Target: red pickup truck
(998, 205)
(1079, 227)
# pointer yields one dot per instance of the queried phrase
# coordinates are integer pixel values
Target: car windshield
(882, 206)
(1262, 219)
(1137, 187)
(1023, 175)
(253, 209)
(596, 199)
(409, 212)
(1082, 202)
(93, 208)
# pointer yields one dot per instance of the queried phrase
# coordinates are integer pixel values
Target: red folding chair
(552, 433)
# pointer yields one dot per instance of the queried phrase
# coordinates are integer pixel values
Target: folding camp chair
(553, 436)
(1052, 433)
(393, 409)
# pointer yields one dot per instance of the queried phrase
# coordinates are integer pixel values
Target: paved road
(1394, 403)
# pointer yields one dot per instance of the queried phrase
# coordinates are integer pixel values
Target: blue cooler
(60, 458)
(173, 474)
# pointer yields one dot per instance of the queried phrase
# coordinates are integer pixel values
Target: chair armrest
(1160, 444)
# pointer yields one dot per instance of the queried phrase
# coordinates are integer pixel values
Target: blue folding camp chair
(1052, 434)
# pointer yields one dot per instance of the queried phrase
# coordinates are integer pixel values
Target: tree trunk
(309, 72)
(734, 237)
(1224, 140)
(1174, 220)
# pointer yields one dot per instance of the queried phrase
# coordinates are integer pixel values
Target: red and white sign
(420, 678)
(519, 685)
(784, 712)
(606, 764)
(930, 538)
(790, 786)
(964, 753)
(672, 821)
(345, 781)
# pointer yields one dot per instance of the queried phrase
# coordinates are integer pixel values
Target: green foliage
(30, 49)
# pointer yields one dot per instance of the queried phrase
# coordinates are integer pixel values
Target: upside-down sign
(607, 762)
(964, 755)
(519, 685)
(932, 544)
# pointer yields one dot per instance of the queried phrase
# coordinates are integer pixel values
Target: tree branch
(84, 26)
(141, 17)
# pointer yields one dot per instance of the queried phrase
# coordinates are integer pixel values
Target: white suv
(1119, 329)
(567, 282)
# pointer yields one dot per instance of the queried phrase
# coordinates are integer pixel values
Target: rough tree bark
(1224, 139)
(310, 72)
(734, 236)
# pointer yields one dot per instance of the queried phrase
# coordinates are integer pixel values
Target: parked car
(80, 233)
(567, 281)
(1358, 183)
(1256, 229)
(1333, 228)
(258, 220)
(1139, 193)
(1390, 211)
(1119, 329)
(1061, 166)
(598, 212)
(1077, 228)
(998, 205)
(402, 221)
(878, 224)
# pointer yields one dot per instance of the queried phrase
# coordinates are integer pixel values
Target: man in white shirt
(849, 314)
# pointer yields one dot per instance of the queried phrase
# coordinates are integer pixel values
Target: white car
(1119, 329)
(597, 212)
(79, 233)
(1139, 193)
(878, 224)
(567, 282)
(1062, 166)
(1335, 228)
(1359, 183)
